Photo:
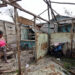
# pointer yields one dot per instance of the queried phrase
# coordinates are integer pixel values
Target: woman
(3, 46)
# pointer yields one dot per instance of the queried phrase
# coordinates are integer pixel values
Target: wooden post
(35, 54)
(5, 32)
(20, 30)
(34, 21)
(18, 39)
(48, 28)
(72, 37)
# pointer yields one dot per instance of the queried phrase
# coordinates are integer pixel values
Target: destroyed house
(27, 30)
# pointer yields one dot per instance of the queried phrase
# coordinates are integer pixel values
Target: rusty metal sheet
(41, 45)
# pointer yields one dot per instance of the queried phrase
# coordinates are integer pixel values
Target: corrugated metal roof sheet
(6, 18)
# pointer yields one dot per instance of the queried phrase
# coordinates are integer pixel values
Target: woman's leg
(4, 52)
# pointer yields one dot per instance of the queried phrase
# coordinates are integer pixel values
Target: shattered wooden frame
(41, 45)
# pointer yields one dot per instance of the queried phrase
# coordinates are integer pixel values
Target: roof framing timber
(11, 1)
(20, 8)
(3, 5)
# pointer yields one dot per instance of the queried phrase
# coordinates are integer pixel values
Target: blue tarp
(58, 48)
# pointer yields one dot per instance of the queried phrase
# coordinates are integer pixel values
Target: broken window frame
(29, 35)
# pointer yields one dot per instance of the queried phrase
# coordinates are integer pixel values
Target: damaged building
(39, 48)
(27, 34)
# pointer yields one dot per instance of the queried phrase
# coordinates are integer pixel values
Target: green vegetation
(69, 63)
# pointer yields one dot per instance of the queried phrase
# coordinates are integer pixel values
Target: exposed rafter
(20, 8)
(63, 3)
(13, 1)
(2, 3)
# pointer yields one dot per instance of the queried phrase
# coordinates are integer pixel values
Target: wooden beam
(3, 5)
(69, 3)
(29, 40)
(12, 1)
(49, 27)
(20, 8)
(72, 71)
(72, 35)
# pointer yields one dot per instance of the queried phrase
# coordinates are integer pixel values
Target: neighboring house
(65, 24)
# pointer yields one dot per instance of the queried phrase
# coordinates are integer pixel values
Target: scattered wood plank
(10, 53)
(72, 71)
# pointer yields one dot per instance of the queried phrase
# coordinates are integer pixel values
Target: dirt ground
(45, 66)
(12, 65)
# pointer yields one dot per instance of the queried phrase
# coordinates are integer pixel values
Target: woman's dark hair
(1, 32)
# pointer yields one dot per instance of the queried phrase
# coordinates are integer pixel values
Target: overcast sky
(37, 6)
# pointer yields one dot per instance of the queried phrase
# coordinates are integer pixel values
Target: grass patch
(68, 63)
